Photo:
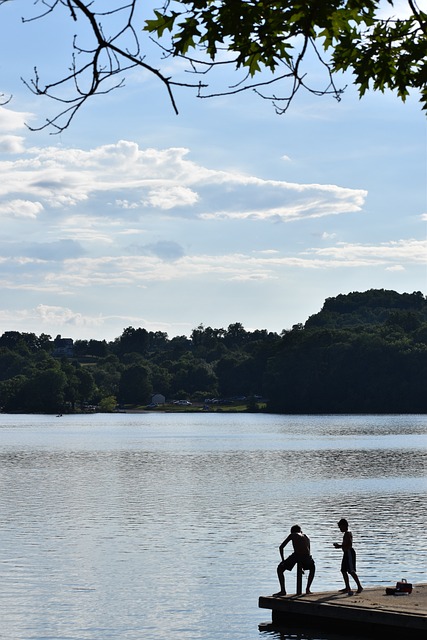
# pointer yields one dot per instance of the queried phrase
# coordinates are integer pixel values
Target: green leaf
(161, 23)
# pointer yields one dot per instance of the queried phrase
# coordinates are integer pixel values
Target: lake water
(167, 527)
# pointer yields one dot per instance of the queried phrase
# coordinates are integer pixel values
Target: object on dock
(371, 612)
(402, 588)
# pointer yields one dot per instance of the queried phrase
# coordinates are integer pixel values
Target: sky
(224, 213)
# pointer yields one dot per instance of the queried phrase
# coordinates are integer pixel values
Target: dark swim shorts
(348, 563)
(288, 564)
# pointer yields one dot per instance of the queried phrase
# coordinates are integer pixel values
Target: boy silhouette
(348, 564)
(301, 555)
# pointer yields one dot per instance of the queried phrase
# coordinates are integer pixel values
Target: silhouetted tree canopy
(271, 45)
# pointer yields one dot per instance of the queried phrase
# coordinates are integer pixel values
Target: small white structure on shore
(158, 398)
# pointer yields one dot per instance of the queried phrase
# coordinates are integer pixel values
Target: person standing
(300, 555)
(348, 564)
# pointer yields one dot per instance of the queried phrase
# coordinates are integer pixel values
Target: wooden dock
(370, 612)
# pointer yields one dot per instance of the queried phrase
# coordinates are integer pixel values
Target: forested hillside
(362, 353)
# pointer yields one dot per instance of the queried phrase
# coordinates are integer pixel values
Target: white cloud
(51, 316)
(170, 197)
(55, 315)
(12, 120)
(20, 208)
(396, 267)
(328, 236)
(165, 262)
(126, 178)
(11, 144)
(87, 228)
(125, 204)
(413, 251)
(55, 319)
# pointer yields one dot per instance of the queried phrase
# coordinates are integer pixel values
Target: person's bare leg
(281, 576)
(347, 588)
(357, 581)
(310, 580)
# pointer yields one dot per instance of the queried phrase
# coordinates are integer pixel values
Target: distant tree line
(362, 353)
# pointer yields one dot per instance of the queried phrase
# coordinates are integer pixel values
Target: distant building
(158, 398)
(64, 347)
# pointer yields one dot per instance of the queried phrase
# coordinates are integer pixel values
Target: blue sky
(225, 213)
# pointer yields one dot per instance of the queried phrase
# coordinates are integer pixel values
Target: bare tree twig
(117, 60)
(115, 46)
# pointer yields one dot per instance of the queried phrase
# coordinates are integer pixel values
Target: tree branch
(273, 37)
(99, 73)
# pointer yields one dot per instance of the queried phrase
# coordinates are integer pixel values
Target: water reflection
(296, 634)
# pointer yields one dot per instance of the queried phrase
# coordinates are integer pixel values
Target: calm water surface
(164, 526)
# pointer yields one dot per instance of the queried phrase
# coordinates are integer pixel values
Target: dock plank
(371, 609)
